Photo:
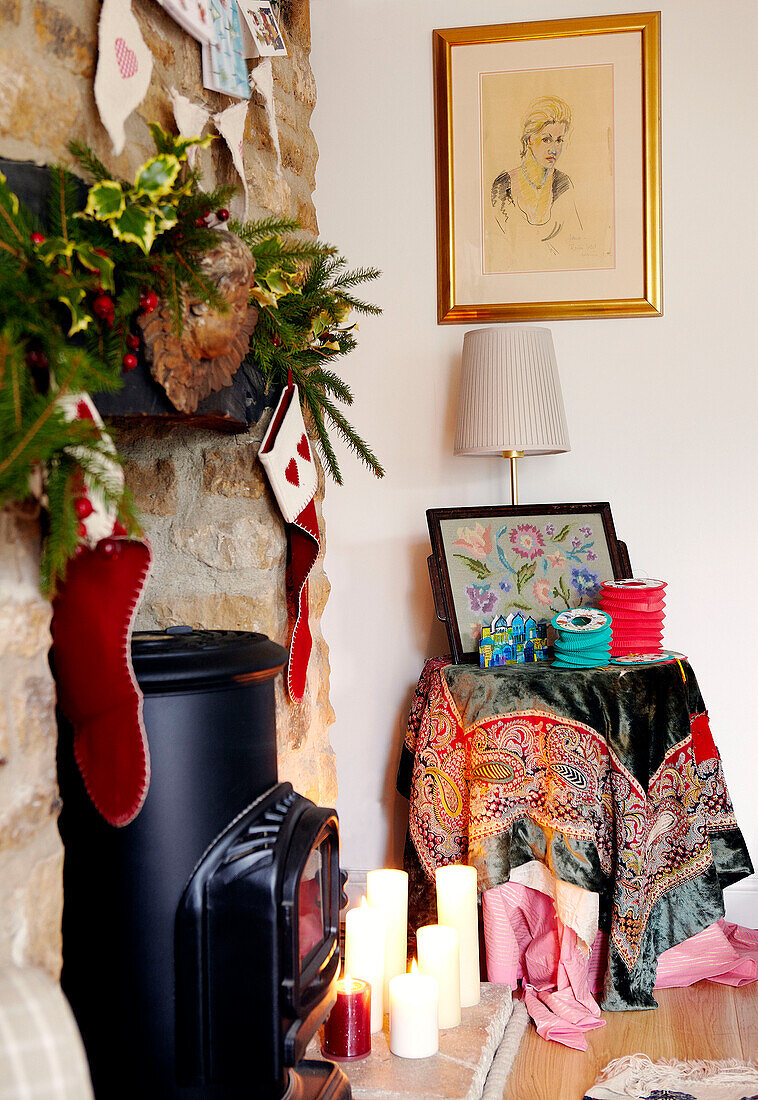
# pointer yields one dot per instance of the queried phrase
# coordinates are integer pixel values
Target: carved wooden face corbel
(213, 343)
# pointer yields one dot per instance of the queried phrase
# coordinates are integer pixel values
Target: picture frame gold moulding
(616, 251)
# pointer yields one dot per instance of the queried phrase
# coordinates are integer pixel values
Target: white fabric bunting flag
(262, 81)
(124, 67)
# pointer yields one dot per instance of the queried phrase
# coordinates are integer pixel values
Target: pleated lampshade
(510, 395)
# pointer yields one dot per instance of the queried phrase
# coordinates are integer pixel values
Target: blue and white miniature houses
(513, 640)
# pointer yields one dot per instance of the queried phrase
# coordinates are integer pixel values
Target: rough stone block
(457, 1072)
(30, 811)
(24, 628)
(235, 473)
(34, 715)
(10, 11)
(153, 487)
(217, 612)
(250, 542)
(59, 35)
(39, 940)
(33, 103)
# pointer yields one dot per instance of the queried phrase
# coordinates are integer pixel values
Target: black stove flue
(200, 942)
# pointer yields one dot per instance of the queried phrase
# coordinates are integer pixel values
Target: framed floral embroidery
(537, 559)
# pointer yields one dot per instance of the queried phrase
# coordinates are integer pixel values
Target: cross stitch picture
(536, 560)
(265, 37)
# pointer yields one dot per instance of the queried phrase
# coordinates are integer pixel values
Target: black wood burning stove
(200, 942)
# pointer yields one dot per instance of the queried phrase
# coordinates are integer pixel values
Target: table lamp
(510, 400)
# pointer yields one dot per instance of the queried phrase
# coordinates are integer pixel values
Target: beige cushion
(41, 1051)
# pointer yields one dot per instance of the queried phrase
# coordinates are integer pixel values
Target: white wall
(673, 400)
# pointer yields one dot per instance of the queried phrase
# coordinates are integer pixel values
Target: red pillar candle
(347, 1031)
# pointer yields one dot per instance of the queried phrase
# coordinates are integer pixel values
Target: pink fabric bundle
(527, 941)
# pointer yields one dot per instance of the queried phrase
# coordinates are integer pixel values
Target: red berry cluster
(104, 309)
(221, 215)
(148, 301)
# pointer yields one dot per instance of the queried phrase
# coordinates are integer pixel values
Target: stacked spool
(583, 638)
(635, 606)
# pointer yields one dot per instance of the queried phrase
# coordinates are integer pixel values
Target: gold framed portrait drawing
(548, 169)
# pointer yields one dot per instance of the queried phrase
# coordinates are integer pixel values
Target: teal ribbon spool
(583, 638)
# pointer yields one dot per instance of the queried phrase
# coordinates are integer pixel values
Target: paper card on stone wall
(231, 125)
(260, 31)
(190, 120)
(262, 81)
(124, 67)
(193, 16)
(224, 68)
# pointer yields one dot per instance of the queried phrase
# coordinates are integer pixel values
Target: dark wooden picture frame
(544, 554)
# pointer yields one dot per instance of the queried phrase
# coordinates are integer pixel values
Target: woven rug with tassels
(636, 1077)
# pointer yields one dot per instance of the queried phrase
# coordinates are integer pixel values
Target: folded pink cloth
(724, 953)
(526, 942)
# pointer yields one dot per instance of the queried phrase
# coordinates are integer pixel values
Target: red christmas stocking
(286, 457)
(97, 691)
(91, 628)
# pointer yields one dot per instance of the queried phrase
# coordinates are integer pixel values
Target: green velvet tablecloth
(609, 776)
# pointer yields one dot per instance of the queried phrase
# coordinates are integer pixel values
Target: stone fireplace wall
(218, 539)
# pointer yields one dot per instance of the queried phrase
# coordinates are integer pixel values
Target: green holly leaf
(80, 319)
(279, 284)
(480, 568)
(105, 201)
(156, 177)
(136, 225)
(53, 248)
(264, 297)
(93, 261)
(7, 195)
(166, 217)
(178, 146)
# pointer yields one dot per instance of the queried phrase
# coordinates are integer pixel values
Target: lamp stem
(514, 456)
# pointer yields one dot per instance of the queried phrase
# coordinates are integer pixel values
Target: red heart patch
(303, 449)
(125, 58)
(291, 473)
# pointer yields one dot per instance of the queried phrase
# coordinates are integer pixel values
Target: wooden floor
(706, 1021)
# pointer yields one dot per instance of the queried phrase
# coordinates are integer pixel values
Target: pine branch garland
(69, 295)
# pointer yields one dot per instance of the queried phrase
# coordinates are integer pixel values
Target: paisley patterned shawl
(608, 776)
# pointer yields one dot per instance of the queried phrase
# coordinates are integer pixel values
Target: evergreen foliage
(69, 296)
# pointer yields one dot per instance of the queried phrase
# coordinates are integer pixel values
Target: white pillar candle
(439, 955)
(456, 907)
(387, 890)
(413, 1015)
(365, 936)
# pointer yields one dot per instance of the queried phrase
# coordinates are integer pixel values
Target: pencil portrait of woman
(534, 203)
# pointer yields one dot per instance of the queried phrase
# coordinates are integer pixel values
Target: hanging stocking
(286, 457)
(91, 629)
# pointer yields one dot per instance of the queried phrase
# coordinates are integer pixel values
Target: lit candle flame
(414, 967)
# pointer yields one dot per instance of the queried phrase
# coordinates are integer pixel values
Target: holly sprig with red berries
(70, 293)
